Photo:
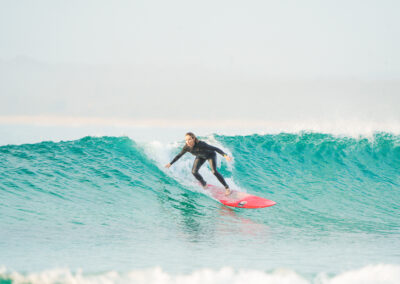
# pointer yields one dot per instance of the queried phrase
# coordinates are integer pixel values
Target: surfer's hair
(191, 134)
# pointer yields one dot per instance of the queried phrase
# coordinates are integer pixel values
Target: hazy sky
(281, 38)
(202, 59)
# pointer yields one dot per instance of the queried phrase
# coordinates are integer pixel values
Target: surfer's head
(191, 139)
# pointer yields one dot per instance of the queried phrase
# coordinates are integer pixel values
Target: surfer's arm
(177, 157)
(218, 150)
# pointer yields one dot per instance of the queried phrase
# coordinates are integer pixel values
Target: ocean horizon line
(332, 126)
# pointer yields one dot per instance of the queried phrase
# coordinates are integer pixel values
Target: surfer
(203, 152)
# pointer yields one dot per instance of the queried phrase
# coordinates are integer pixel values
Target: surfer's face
(189, 141)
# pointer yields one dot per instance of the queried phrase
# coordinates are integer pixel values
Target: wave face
(343, 183)
(108, 204)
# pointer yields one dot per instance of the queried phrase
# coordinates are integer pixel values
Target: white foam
(162, 153)
(382, 273)
(371, 274)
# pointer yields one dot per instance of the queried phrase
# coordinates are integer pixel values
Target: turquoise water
(102, 204)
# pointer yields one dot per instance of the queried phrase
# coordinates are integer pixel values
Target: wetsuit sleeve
(218, 150)
(184, 150)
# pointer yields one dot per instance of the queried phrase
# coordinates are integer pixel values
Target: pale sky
(203, 59)
(281, 38)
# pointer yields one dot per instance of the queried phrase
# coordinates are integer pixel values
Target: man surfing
(203, 152)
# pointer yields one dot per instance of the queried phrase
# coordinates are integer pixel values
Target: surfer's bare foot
(205, 186)
(228, 191)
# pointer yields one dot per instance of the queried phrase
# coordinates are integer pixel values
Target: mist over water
(190, 92)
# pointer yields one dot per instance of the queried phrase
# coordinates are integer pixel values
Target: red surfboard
(237, 198)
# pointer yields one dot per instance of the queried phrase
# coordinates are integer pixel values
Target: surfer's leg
(213, 165)
(195, 170)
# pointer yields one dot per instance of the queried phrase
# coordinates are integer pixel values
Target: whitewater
(104, 209)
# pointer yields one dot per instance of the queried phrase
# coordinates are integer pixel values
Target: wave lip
(380, 273)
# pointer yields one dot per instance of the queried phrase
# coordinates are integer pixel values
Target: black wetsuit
(203, 152)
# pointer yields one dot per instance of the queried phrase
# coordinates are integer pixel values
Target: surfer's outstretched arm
(177, 157)
(218, 150)
(213, 148)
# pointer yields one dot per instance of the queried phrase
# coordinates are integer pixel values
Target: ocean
(104, 209)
